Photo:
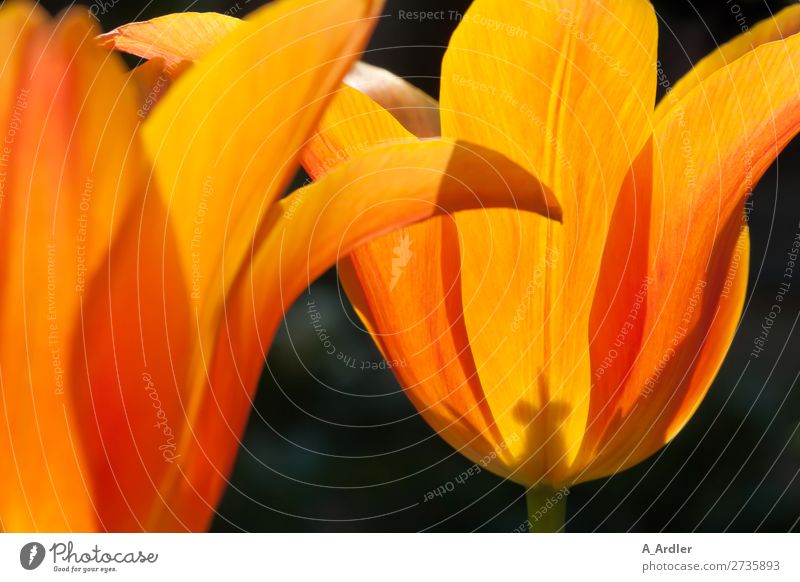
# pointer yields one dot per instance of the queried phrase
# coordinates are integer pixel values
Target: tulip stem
(547, 509)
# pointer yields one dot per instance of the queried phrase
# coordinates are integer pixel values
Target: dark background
(330, 448)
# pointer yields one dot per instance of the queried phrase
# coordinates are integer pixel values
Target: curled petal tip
(412, 107)
(108, 39)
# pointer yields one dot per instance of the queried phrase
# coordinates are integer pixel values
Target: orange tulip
(145, 265)
(556, 353)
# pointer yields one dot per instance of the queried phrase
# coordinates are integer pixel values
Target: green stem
(547, 508)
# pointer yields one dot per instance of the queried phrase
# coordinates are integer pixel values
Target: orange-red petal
(708, 153)
(783, 25)
(72, 171)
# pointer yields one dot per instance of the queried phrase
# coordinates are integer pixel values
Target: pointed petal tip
(179, 37)
(108, 39)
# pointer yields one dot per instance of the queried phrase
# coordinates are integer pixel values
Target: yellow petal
(232, 126)
(419, 180)
(174, 38)
(566, 89)
(310, 230)
(708, 153)
(152, 80)
(782, 25)
(414, 109)
(352, 124)
(225, 141)
(415, 330)
(179, 39)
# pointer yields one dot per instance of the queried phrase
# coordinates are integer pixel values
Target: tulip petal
(175, 38)
(137, 333)
(783, 25)
(310, 230)
(153, 82)
(620, 301)
(414, 109)
(180, 39)
(566, 89)
(72, 172)
(426, 334)
(25, 458)
(352, 124)
(708, 153)
(18, 20)
(239, 118)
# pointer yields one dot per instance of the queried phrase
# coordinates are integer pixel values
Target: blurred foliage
(334, 448)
